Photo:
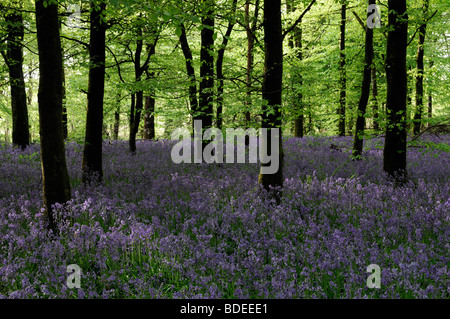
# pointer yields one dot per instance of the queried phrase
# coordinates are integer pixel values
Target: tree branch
(299, 19)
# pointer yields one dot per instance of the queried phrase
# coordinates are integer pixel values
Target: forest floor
(155, 229)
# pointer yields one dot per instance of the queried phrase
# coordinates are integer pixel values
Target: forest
(224, 149)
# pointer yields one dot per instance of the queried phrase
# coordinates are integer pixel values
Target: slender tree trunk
(376, 125)
(92, 155)
(55, 178)
(409, 104)
(206, 92)
(365, 92)
(342, 72)
(116, 123)
(299, 121)
(219, 68)
(271, 91)
(64, 106)
(420, 67)
(139, 94)
(14, 60)
(132, 107)
(394, 161)
(149, 123)
(430, 99)
(250, 27)
(187, 52)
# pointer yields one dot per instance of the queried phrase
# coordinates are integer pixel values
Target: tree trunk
(271, 92)
(376, 125)
(365, 92)
(206, 92)
(116, 124)
(342, 72)
(149, 122)
(219, 68)
(394, 160)
(298, 103)
(14, 61)
(132, 107)
(55, 178)
(250, 27)
(92, 155)
(420, 67)
(139, 102)
(187, 52)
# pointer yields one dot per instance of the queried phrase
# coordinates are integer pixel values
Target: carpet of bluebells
(155, 229)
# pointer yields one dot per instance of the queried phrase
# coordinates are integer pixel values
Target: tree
(206, 90)
(365, 91)
(394, 156)
(55, 178)
(298, 78)
(92, 154)
(342, 71)
(219, 66)
(14, 61)
(271, 92)
(420, 70)
(250, 28)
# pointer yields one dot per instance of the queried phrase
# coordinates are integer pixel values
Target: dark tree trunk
(420, 67)
(64, 107)
(206, 92)
(138, 72)
(342, 72)
(14, 61)
(409, 106)
(116, 124)
(376, 125)
(139, 98)
(365, 92)
(394, 161)
(149, 123)
(298, 103)
(132, 107)
(92, 155)
(250, 27)
(187, 52)
(430, 99)
(219, 68)
(272, 89)
(55, 178)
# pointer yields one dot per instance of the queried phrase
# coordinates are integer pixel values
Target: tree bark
(206, 92)
(250, 27)
(116, 124)
(219, 68)
(298, 103)
(376, 125)
(272, 91)
(55, 178)
(342, 72)
(187, 52)
(149, 123)
(420, 68)
(92, 155)
(14, 61)
(394, 159)
(365, 92)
